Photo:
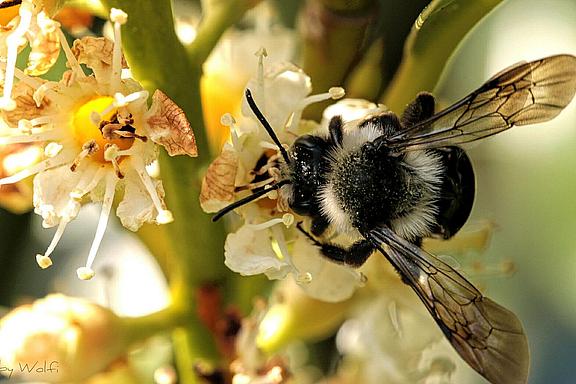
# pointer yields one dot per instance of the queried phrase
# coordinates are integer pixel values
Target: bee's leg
(335, 127)
(386, 122)
(354, 256)
(420, 109)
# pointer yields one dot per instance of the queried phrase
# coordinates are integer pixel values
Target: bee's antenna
(248, 199)
(266, 125)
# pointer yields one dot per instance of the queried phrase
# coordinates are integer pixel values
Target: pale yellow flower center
(88, 128)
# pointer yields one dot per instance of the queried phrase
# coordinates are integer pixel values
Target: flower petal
(96, 53)
(137, 208)
(249, 252)
(285, 87)
(26, 107)
(45, 47)
(218, 183)
(330, 281)
(169, 127)
(52, 199)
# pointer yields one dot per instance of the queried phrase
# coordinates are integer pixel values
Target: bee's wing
(489, 337)
(526, 93)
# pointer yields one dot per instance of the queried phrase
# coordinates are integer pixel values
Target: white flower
(31, 25)
(99, 136)
(231, 64)
(389, 337)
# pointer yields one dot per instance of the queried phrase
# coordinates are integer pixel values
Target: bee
(391, 181)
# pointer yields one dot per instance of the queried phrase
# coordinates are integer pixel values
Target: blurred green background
(526, 183)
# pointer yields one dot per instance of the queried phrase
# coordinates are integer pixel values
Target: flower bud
(60, 339)
(297, 316)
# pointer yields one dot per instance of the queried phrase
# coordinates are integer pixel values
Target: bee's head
(308, 167)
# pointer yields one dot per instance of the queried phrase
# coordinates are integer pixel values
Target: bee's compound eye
(308, 170)
(301, 207)
(308, 141)
(308, 148)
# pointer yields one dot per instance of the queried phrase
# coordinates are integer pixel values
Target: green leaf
(435, 36)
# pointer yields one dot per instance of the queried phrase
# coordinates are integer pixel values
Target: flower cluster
(97, 135)
(268, 242)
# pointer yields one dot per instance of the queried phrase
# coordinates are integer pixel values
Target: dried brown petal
(169, 126)
(96, 53)
(218, 184)
(25, 105)
(45, 50)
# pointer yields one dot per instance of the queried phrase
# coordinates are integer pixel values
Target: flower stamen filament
(88, 149)
(164, 216)
(118, 17)
(34, 169)
(287, 219)
(86, 273)
(111, 155)
(87, 183)
(13, 41)
(76, 68)
(44, 261)
(333, 93)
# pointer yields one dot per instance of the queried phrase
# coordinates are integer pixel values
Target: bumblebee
(391, 181)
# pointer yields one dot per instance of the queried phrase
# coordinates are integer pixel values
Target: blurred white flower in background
(73, 336)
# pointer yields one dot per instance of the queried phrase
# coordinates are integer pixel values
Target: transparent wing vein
(489, 337)
(526, 93)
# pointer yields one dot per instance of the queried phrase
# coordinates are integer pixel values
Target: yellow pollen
(85, 128)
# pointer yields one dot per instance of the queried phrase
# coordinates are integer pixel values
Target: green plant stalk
(138, 329)
(433, 39)
(159, 61)
(217, 16)
(328, 56)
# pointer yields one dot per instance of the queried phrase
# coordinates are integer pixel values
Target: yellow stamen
(86, 130)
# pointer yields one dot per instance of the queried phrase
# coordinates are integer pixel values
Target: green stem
(218, 15)
(334, 44)
(138, 329)
(192, 255)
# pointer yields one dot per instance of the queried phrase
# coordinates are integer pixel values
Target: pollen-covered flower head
(269, 241)
(26, 22)
(99, 135)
